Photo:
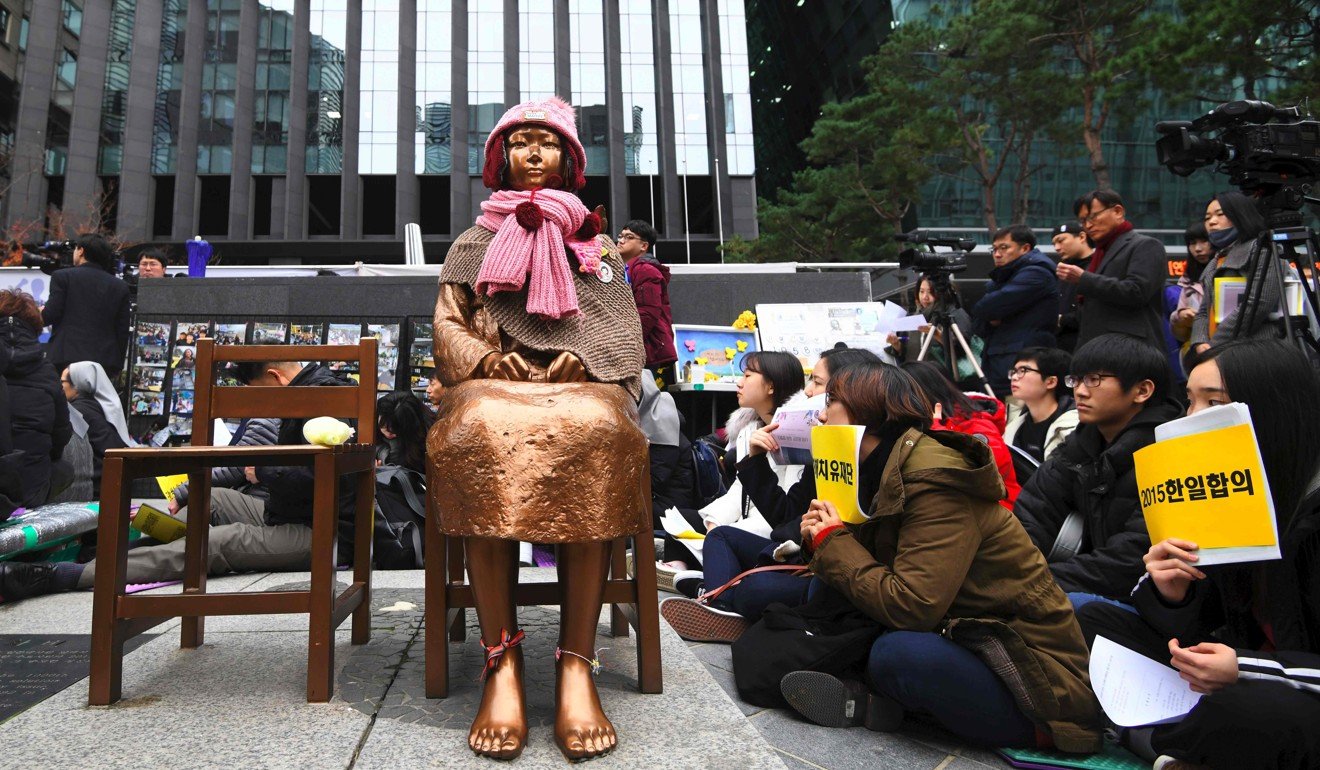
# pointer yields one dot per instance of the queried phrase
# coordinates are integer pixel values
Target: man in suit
(1121, 290)
(88, 310)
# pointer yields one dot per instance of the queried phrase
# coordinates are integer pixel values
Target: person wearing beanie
(539, 346)
(1073, 247)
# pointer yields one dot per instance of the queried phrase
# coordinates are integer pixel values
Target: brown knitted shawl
(607, 335)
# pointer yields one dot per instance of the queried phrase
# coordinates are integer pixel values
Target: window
(66, 71)
(72, 17)
(4, 26)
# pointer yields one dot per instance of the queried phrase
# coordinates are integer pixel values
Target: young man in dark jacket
(1120, 385)
(1020, 304)
(248, 533)
(1073, 248)
(650, 286)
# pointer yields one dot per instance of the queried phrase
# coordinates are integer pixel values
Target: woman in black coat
(39, 414)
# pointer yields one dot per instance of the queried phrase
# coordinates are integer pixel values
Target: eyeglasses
(626, 237)
(998, 247)
(1086, 220)
(1020, 371)
(1090, 380)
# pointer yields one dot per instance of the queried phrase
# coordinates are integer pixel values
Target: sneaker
(689, 582)
(832, 702)
(22, 580)
(697, 622)
(664, 577)
(1166, 762)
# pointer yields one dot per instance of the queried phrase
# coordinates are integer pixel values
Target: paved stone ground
(238, 701)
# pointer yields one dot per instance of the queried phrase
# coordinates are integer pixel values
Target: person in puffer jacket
(252, 431)
(39, 423)
(975, 414)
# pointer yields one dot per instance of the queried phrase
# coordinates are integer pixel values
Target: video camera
(921, 254)
(50, 256)
(1272, 152)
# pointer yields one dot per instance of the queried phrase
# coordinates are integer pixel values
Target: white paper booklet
(1135, 690)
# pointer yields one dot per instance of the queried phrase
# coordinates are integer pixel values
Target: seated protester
(1120, 386)
(1046, 416)
(90, 392)
(247, 533)
(979, 416)
(252, 431)
(402, 422)
(730, 551)
(1233, 221)
(39, 422)
(936, 296)
(937, 555)
(769, 381)
(673, 476)
(1247, 636)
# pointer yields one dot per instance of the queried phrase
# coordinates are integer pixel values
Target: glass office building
(327, 125)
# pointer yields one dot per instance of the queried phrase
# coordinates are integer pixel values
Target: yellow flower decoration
(700, 361)
(746, 321)
(729, 353)
(711, 376)
(742, 345)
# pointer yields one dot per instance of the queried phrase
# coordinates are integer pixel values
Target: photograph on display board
(183, 402)
(180, 425)
(720, 350)
(153, 355)
(189, 332)
(146, 403)
(420, 382)
(306, 334)
(152, 334)
(227, 377)
(148, 378)
(183, 379)
(421, 355)
(344, 334)
(185, 357)
(387, 354)
(268, 333)
(230, 334)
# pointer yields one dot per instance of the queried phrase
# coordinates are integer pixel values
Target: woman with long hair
(971, 413)
(935, 296)
(729, 551)
(950, 576)
(39, 423)
(402, 422)
(1246, 636)
(1232, 222)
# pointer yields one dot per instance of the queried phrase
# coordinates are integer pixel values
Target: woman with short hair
(1233, 221)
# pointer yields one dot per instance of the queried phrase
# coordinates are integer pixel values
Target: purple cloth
(199, 253)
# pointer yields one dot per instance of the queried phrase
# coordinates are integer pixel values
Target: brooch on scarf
(589, 261)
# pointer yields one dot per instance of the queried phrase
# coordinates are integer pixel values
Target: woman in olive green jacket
(978, 635)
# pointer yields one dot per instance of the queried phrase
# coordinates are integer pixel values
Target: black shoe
(691, 583)
(832, 702)
(22, 580)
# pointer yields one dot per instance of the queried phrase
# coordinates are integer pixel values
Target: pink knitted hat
(553, 113)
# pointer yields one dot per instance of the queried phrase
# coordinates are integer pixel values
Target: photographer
(935, 297)
(1020, 306)
(1232, 222)
(88, 309)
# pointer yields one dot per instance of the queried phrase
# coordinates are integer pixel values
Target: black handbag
(826, 634)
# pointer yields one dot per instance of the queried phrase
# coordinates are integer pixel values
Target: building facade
(314, 130)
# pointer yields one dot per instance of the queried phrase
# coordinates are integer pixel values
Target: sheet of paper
(795, 423)
(672, 522)
(220, 435)
(1135, 690)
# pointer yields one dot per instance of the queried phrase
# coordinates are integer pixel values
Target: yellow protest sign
(168, 484)
(1209, 488)
(834, 450)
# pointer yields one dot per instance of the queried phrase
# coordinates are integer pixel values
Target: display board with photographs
(421, 357)
(344, 334)
(306, 334)
(265, 333)
(387, 354)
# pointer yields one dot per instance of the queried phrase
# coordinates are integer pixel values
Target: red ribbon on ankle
(496, 651)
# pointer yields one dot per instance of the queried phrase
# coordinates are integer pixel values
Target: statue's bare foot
(500, 729)
(582, 730)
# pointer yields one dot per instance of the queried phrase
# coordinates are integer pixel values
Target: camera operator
(88, 309)
(1020, 306)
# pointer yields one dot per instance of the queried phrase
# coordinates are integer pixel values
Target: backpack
(709, 478)
(400, 518)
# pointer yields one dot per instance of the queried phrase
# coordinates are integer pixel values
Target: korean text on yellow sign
(834, 464)
(1208, 488)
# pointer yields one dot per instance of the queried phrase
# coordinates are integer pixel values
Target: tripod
(1282, 244)
(943, 325)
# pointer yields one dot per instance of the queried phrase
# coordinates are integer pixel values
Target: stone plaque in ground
(34, 667)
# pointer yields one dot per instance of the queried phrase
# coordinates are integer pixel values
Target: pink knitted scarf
(531, 230)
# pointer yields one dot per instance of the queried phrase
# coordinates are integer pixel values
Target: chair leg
(437, 610)
(649, 677)
(193, 629)
(456, 562)
(108, 632)
(321, 637)
(618, 571)
(362, 537)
